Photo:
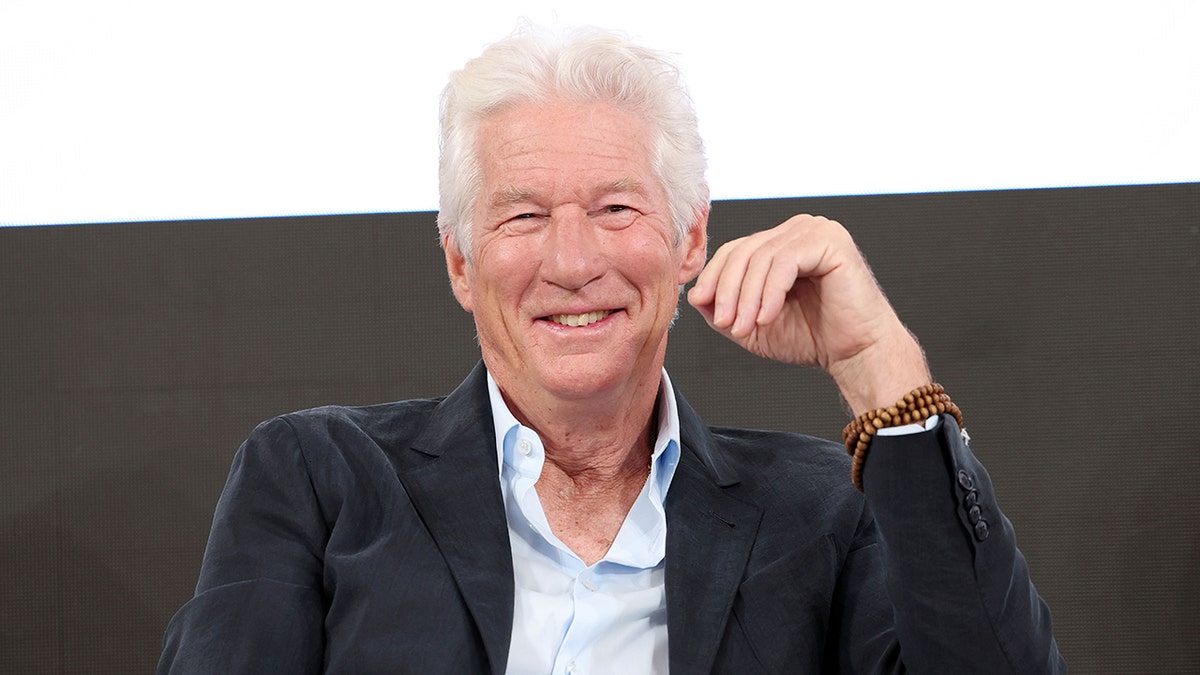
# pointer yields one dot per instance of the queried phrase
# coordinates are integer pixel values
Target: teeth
(580, 319)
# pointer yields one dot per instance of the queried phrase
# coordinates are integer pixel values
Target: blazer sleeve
(259, 603)
(960, 589)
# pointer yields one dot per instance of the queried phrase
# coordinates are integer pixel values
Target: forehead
(563, 145)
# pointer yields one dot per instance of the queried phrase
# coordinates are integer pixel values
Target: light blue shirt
(570, 618)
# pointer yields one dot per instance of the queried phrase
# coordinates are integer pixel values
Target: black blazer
(373, 540)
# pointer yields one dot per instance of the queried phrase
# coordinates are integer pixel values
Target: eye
(524, 223)
(616, 216)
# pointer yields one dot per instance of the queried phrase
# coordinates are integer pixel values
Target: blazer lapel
(452, 478)
(709, 537)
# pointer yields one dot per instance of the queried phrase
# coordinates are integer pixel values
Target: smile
(576, 320)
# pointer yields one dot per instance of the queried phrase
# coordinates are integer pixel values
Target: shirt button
(570, 668)
(589, 584)
(524, 447)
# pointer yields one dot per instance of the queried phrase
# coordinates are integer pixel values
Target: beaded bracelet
(916, 406)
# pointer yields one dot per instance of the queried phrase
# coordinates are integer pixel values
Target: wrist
(915, 407)
(878, 376)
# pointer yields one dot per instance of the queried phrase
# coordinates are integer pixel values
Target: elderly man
(564, 510)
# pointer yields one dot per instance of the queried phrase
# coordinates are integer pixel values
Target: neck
(593, 436)
(595, 467)
(601, 438)
(597, 457)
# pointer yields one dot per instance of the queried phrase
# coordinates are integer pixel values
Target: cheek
(501, 281)
(500, 255)
(654, 263)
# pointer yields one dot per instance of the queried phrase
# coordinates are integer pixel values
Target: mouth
(578, 320)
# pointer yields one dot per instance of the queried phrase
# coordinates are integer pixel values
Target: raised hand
(802, 293)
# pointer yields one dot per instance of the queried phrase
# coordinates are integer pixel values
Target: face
(575, 270)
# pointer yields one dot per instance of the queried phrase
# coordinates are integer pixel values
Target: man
(564, 510)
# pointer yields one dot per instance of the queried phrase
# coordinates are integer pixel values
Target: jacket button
(981, 530)
(975, 515)
(971, 499)
(965, 480)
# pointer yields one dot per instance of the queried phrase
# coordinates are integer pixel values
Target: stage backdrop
(134, 358)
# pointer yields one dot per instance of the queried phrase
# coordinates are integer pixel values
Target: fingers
(723, 292)
(747, 281)
(778, 284)
(702, 294)
(739, 286)
(801, 293)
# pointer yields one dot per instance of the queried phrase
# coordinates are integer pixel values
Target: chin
(580, 379)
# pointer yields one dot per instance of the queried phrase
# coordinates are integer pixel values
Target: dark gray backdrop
(134, 358)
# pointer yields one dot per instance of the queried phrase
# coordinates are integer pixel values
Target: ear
(694, 247)
(457, 268)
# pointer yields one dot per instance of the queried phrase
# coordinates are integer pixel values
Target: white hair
(584, 65)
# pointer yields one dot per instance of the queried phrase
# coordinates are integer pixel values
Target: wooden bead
(917, 405)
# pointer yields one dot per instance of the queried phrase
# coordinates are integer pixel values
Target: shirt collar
(668, 422)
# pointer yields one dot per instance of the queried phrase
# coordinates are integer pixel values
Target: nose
(573, 255)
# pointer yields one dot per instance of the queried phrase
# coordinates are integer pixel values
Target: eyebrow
(512, 194)
(624, 186)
